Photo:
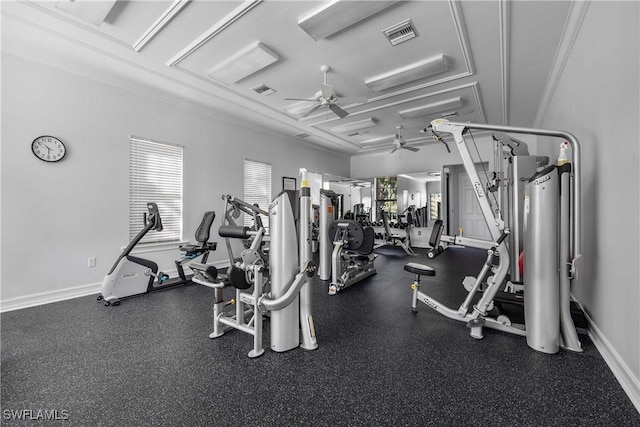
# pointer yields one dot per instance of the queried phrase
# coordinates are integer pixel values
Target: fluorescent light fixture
(244, 63)
(353, 126)
(433, 108)
(418, 70)
(336, 15)
(90, 11)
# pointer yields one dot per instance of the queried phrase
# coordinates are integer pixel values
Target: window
(155, 175)
(387, 196)
(257, 188)
(434, 205)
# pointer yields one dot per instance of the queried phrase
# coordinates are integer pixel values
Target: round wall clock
(48, 148)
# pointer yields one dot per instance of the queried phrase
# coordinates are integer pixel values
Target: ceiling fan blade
(300, 99)
(353, 99)
(414, 149)
(327, 90)
(394, 150)
(339, 111)
(311, 110)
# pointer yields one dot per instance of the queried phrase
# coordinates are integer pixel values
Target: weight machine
(395, 239)
(345, 246)
(352, 258)
(551, 208)
(280, 277)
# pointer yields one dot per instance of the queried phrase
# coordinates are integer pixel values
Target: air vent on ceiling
(401, 32)
(303, 135)
(353, 134)
(263, 89)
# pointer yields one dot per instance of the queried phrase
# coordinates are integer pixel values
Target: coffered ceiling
(479, 61)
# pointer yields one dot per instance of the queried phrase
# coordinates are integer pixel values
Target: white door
(471, 219)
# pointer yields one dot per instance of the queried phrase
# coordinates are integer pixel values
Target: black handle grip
(504, 235)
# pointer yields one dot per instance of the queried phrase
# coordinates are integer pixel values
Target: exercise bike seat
(419, 269)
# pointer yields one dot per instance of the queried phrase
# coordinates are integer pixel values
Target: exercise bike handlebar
(152, 221)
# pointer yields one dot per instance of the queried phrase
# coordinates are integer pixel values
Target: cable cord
(486, 174)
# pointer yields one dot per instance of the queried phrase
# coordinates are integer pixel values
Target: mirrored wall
(366, 196)
(356, 194)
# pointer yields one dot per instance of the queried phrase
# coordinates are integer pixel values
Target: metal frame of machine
(352, 258)
(550, 257)
(281, 280)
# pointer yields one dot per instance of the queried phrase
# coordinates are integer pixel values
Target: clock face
(48, 148)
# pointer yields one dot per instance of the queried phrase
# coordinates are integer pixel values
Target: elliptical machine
(131, 275)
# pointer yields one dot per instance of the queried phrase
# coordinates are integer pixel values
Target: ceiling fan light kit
(418, 70)
(251, 59)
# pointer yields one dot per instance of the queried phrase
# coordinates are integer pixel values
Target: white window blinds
(257, 188)
(155, 175)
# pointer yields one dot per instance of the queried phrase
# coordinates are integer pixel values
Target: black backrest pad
(434, 240)
(202, 233)
(369, 239)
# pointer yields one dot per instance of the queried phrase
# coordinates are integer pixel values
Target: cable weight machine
(552, 243)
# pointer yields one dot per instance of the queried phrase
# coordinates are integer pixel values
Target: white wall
(597, 99)
(55, 216)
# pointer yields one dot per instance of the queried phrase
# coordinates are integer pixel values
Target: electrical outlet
(91, 262)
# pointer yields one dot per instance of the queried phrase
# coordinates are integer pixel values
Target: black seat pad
(421, 269)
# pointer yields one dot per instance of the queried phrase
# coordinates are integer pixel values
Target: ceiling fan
(327, 97)
(400, 144)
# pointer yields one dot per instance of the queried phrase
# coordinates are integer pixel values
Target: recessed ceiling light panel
(336, 15)
(253, 58)
(416, 71)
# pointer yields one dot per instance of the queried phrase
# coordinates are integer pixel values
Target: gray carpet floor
(149, 362)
